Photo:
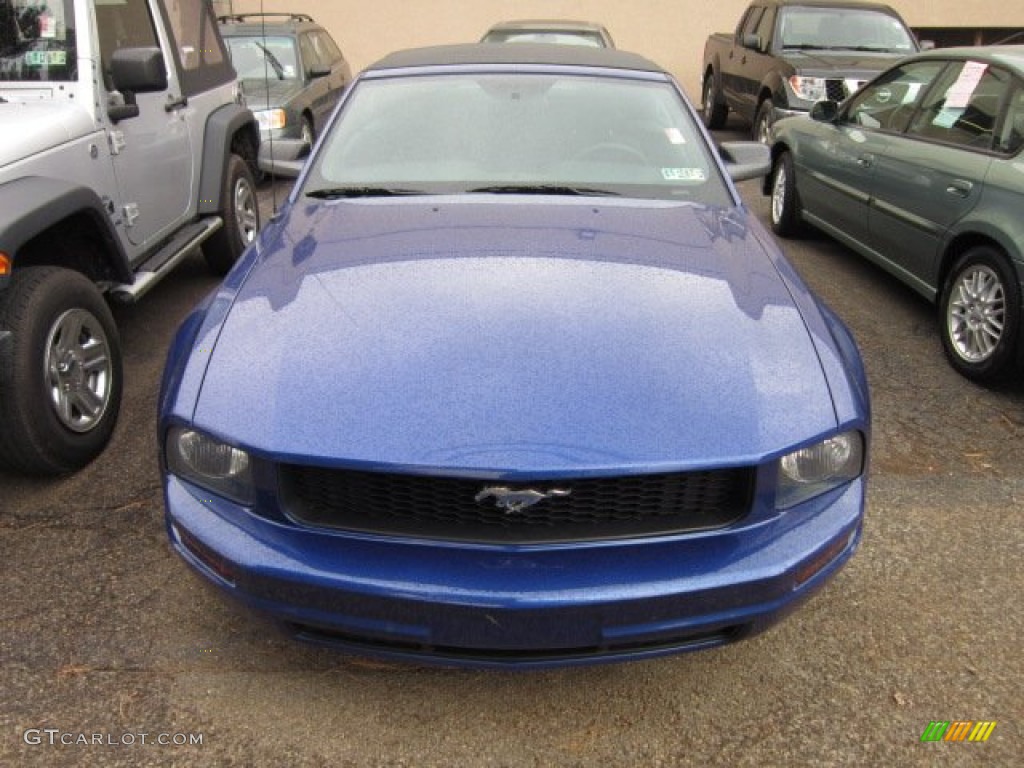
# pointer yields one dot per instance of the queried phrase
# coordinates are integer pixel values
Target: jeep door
(152, 153)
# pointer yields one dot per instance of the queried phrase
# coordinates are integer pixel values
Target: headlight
(818, 468)
(271, 119)
(219, 468)
(808, 88)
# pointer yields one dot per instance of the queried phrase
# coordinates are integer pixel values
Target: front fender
(33, 204)
(222, 127)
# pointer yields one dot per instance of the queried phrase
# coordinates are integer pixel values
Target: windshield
(855, 29)
(575, 37)
(256, 57)
(37, 41)
(508, 133)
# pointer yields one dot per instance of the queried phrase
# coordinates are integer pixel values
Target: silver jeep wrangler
(125, 146)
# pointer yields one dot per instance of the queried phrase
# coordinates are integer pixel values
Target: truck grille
(837, 89)
(447, 508)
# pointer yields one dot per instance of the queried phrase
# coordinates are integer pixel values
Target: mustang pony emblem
(513, 501)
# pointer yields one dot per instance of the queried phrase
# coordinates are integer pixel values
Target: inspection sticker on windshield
(683, 174)
(675, 136)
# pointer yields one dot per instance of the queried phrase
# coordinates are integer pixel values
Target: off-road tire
(241, 216)
(61, 374)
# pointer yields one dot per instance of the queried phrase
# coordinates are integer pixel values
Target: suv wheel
(60, 371)
(980, 315)
(241, 217)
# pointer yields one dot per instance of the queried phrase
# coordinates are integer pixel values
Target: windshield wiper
(803, 47)
(278, 68)
(332, 193)
(542, 189)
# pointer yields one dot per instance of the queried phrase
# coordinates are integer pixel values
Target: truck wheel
(60, 371)
(241, 218)
(712, 110)
(763, 122)
(785, 207)
(979, 315)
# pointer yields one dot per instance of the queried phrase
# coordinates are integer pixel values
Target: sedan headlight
(818, 468)
(808, 88)
(218, 467)
(271, 119)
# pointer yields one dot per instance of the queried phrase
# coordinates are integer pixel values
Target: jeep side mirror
(138, 70)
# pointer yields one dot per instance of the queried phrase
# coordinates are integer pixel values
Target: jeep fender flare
(223, 127)
(34, 204)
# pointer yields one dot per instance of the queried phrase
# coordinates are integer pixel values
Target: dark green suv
(293, 74)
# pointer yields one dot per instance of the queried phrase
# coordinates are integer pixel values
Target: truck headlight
(808, 88)
(818, 468)
(204, 461)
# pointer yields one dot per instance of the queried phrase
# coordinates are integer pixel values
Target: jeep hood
(29, 129)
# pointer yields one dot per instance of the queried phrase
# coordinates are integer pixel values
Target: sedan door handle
(960, 187)
(866, 161)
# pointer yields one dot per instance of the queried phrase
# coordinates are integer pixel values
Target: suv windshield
(517, 133)
(256, 58)
(37, 41)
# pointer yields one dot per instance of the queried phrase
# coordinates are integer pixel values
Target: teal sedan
(922, 172)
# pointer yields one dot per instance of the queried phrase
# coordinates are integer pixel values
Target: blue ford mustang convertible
(515, 379)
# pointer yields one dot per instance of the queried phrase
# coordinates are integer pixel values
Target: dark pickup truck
(787, 54)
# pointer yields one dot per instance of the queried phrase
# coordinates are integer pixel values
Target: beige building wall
(671, 32)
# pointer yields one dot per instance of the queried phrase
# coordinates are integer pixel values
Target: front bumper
(279, 156)
(515, 606)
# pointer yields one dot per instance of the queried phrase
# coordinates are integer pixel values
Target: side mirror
(138, 70)
(752, 41)
(745, 159)
(825, 111)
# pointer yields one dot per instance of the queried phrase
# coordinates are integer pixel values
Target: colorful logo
(958, 730)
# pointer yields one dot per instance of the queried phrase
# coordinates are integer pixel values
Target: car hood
(514, 339)
(34, 127)
(270, 93)
(857, 65)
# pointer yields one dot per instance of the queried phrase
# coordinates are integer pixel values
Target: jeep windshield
(556, 133)
(37, 41)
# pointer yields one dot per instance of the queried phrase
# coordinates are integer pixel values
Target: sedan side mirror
(825, 111)
(746, 159)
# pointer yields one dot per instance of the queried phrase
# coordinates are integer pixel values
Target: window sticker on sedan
(959, 94)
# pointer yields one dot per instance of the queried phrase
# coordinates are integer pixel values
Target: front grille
(835, 90)
(447, 508)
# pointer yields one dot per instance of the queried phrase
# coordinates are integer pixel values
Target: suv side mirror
(138, 70)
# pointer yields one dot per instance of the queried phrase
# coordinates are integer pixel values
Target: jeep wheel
(60, 371)
(241, 218)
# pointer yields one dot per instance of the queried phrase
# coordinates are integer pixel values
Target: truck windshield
(37, 41)
(845, 29)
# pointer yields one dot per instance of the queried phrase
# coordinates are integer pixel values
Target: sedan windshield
(518, 134)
